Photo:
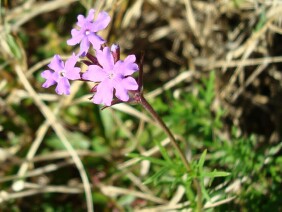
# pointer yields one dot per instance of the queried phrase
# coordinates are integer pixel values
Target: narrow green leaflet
(200, 168)
(216, 174)
(151, 159)
(156, 177)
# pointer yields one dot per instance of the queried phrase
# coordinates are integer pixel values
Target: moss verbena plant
(113, 84)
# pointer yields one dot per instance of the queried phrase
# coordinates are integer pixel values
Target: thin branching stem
(187, 165)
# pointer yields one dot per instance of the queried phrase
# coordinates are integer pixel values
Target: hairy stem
(187, 165)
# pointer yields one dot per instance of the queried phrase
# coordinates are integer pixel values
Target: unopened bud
(115, 52)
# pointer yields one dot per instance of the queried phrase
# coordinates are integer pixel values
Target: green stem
(187, 165)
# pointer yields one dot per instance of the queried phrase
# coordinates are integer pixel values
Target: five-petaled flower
(87, 32)
(61, 74)
(112, 77)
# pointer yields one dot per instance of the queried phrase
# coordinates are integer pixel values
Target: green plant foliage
(77, 140)
(227, 161)
(14, 47)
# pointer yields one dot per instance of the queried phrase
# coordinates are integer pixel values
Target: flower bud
(115, 52)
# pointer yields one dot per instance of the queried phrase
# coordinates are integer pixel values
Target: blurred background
(212, 70)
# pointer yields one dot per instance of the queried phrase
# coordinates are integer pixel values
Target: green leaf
(77, 140)
(200, 166)
(163, 151)
(126, 200)
(151, 159)
(262, 21)
(155, 177)
(202, 160)
(209, 94)
(216, 174)
(190, 193)
(99, 145)
(15, 49)
(204, 191)
(106, 122)
(99, 198)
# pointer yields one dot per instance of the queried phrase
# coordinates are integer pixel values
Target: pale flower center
(111, 75)
(87, 32)
(62, 73)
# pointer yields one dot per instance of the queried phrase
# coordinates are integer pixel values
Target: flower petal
(129, 83)
(56, 76)
(80, 20)
(95, 74)
(48, 75)
(70, 63)
(77, 36)
(104, 94)
(63, 86)
(101, 22)
(105, 58)
(72, 72)
(129, 65)
(76, 32)
(96, 41)
(84, 46)
(90, 15)
(130, 59)
(121, 92)
(126, 67)
(56, 63)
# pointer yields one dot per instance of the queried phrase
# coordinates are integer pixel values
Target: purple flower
(88, 29)
(61, 74)
(112, 76)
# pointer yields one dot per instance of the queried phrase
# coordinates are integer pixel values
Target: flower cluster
(110, 74)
